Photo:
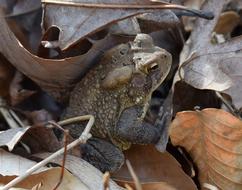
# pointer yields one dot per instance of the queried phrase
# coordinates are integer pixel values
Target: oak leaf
(207, 65)
(213, 138)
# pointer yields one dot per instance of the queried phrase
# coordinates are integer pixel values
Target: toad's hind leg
(132, 129)
(102, 154)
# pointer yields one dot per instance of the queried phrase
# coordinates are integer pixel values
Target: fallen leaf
(93, 15)
(213, 139)
(54, 76)
(189, 21)
(153, 167)
(6, 75)
(16, 90)
(212, 66)
(186, 97)
(11, 137)
(49, 180)
(227, 22)
(14, 165)
(37, 138)
(87, 173)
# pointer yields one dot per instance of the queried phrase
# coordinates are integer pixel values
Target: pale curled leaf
(213, 138)
(14, 165)
(11, 137)
(54, 76)
(206, 70)
(87, 173)
(92, 16)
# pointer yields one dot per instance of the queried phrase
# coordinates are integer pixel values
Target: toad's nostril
(163, 56)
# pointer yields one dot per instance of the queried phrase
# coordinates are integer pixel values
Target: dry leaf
(212, 66)
(6, 75)
(227, 22)
(12, 165)
(153, 167)
(189, 21)
(38, 138)
(213, 138)
(91, 18)
(16, 90)
(186, 97)
(54, 76)
(11, 137)
(49, 180)
(87, 173)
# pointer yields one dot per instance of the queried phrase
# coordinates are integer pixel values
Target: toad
(117, 92)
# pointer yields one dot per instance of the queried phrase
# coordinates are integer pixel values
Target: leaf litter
(56, 59)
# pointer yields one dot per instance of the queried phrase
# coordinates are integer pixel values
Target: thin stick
(134, 176)
(82, 139)
(207, 15)
(66, 132)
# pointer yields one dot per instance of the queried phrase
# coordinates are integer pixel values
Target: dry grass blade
(82, 139)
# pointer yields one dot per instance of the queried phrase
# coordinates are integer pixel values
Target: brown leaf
(154, 167)
(16, 90)
(81, 169)
(186, 97)
(12, 165)
(213, 138)
(92, 16)
(38, 138)
(54, 76)
(6, 75)
(212, 66)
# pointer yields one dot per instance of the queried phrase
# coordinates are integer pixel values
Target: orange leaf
(155, 170)
(213, 137)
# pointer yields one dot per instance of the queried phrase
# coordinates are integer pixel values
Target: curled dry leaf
(12, 165)
(54, 76)
(38, 138)
(6, 75)
(87, 173)
(213, 66)
(154, 169)
(92, 16)
(16, 90)
(213, 138)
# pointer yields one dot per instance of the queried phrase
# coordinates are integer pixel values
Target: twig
(82, 139)
(134, 176)
(106, 179)
(66, 132)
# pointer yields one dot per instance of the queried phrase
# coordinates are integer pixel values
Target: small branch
(82, 139)
(134, 176)
(106, 179)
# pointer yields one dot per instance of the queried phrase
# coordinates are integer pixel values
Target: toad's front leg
(132, 129)
(102, 154)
